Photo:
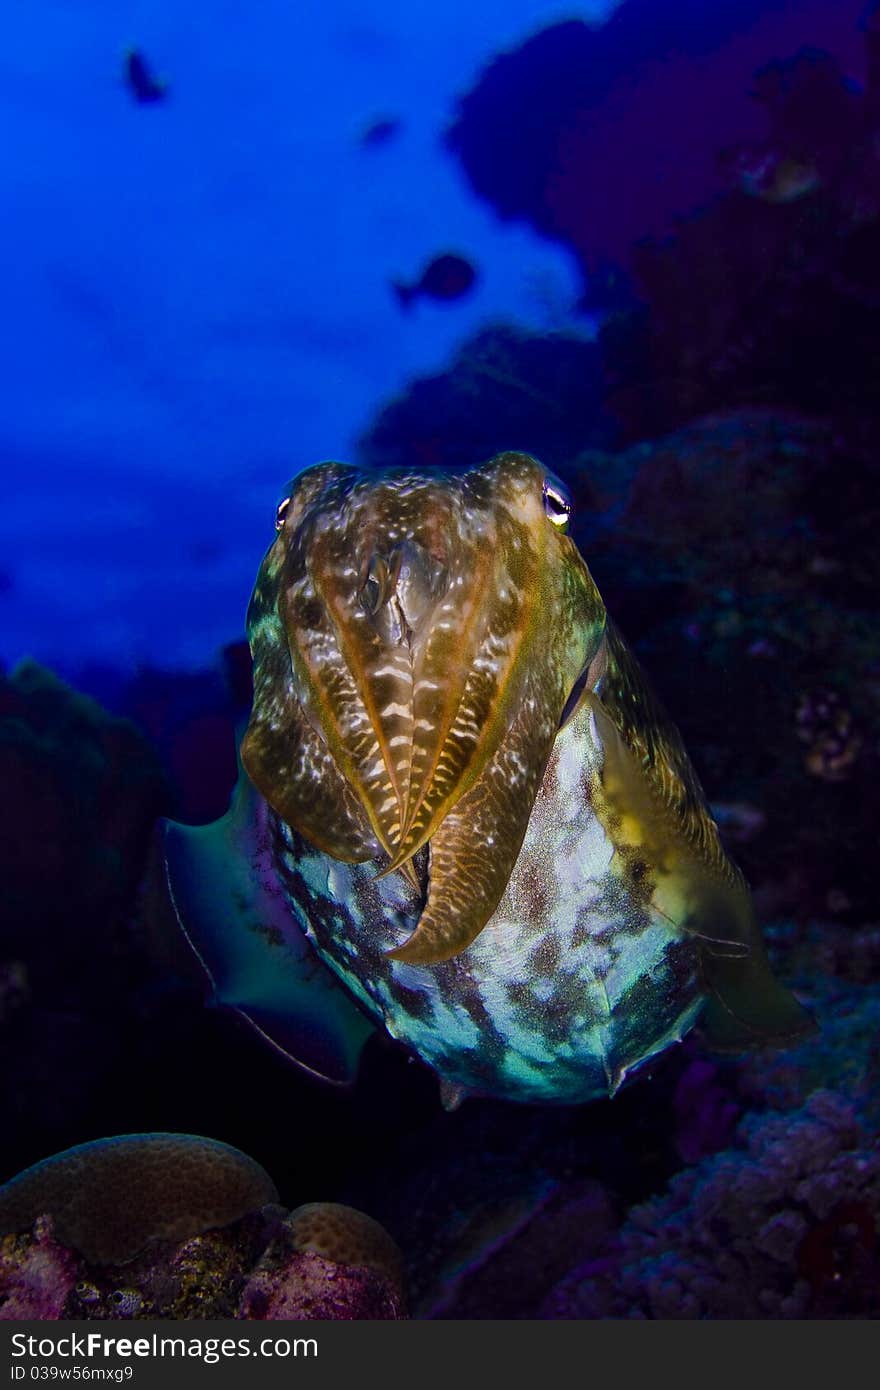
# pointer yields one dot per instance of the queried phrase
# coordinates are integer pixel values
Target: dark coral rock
(550, 127)
(305, 1285)
(750, 304)
(746, 256)
(766, 296)
(501, 1262)
(201, 1277)
(738, 556)
(782, 1226)
(81, 793)
(705, 1111)
(81, 790)
(189, 719)
(506, 389)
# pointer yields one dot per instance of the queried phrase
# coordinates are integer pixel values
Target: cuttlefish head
(418, 638)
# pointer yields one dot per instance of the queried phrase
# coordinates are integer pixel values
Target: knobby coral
(782, 1226)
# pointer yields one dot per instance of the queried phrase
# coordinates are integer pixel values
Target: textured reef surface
(720, 440)
(178, 1226)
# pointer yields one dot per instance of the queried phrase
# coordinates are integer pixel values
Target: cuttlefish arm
(651, 803)
(543, 622)
(477, 843)
(285, 754)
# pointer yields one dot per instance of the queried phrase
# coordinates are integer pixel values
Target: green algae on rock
(111, 1197)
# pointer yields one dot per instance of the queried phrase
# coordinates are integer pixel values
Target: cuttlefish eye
(281, 513)
(557, 503)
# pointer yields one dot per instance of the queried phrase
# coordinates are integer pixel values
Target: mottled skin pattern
(481, 819)
(570, 984)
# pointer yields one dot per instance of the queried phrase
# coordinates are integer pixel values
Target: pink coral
(310, 1286)
(36, 1276)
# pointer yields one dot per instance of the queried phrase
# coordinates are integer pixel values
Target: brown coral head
(347, 1237)
(111, 1197)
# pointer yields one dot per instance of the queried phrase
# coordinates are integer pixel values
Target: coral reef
(552, 129)
(327, 1261)
(109, 1198)
(179, 1226)
(506, 389)
(250, 1268)
(201, 1277)
(746, 273)
(81, 790)
(783, 1226)
(306, 1285)
(345, 1236)
(37, 1275)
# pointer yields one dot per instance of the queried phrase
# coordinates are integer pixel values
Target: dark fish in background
(379, 132)
(145, 86)
(445, 278)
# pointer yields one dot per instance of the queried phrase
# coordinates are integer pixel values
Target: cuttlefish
(462, 816)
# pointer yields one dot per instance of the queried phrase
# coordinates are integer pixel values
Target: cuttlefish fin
(655, 808)
(746, 1006)
(697, 895)
(236, 920)
(657, 748)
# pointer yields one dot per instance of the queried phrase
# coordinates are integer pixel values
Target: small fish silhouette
(445, 278)
(380, 132)
(145, 86)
